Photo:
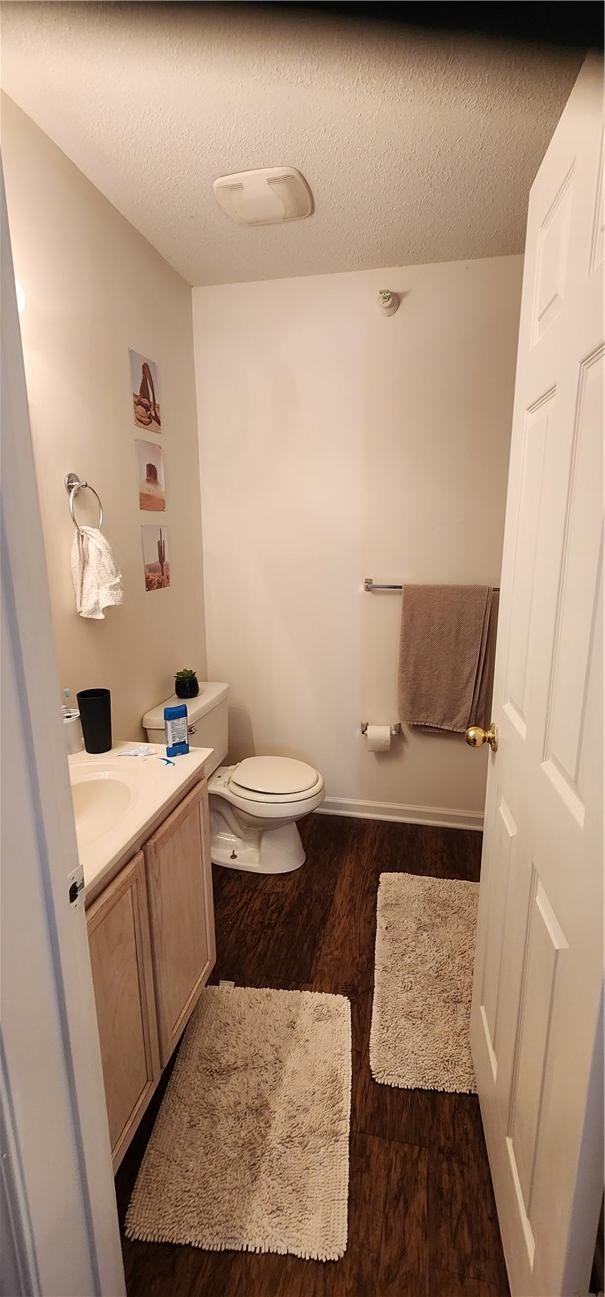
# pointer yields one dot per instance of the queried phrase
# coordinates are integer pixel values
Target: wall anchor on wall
(388, 302)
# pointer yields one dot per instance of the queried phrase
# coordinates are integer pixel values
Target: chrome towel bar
(370, 585)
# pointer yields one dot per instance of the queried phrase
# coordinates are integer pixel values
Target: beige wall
(94, 288)
(337, 444)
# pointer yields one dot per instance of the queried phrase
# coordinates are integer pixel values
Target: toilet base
(262, 851)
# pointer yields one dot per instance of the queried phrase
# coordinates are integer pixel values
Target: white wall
(337, 444)
(94, 288)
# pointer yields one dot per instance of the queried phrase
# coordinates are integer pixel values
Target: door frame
(57, 1191)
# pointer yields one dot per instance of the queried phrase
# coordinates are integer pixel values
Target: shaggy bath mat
(250, 1149)
(425, 945)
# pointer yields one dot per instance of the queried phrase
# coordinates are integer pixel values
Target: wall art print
(155, 557)
(145, 387)
(150, 476)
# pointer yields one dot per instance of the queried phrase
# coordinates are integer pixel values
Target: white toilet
(254, 804)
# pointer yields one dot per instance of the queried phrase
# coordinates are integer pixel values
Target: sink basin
(120, 797)
(100, 800)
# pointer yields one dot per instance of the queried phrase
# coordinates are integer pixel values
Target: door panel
(538, 973)
(505, 832)
(596, 259)
(538, 425)
(552, 257)
(544, 942)
(577, 594)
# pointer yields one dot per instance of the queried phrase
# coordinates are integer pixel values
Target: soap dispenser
(71, 725)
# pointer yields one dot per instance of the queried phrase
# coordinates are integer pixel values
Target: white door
(536, 1035)
(58, 1216)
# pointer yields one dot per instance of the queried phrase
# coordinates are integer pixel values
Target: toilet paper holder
(395, 729)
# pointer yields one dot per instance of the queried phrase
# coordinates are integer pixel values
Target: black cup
(95, 718)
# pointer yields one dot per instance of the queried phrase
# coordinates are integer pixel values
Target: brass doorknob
(476, 737)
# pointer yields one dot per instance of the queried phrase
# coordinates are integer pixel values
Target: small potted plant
(186, 683)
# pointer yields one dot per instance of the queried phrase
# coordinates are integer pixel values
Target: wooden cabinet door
(179, 884)
(118, 937)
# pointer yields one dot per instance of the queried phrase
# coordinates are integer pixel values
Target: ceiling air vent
(264, 196)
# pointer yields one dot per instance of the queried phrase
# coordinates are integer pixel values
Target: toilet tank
(206, 721)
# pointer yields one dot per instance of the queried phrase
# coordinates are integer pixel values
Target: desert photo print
(150, 476)
(155, 557)
(144, 384)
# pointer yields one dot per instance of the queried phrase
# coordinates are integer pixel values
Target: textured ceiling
(418, 147)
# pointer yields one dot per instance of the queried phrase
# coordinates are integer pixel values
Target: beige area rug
(250, 1149)
(425, 946)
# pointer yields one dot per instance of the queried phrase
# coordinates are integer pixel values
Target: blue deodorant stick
(175, 730)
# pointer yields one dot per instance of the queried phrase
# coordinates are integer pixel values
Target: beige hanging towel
(446, 655)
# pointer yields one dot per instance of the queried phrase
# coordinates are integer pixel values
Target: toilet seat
(275, 776)
(225, 783)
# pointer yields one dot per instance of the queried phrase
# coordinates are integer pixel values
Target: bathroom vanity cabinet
(151, 938)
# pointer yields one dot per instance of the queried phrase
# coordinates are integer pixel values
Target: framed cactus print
(156, 559)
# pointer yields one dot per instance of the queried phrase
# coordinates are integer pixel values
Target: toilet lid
(274, 775)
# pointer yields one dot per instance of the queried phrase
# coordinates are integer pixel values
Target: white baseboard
(440, 816)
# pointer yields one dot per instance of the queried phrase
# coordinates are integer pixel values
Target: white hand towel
(97, 581)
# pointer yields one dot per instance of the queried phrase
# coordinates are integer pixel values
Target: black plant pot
(187, 688)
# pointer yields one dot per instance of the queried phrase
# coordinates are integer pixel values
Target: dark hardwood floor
(422, 1218)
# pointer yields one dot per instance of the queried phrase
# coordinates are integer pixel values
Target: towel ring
(73, 484)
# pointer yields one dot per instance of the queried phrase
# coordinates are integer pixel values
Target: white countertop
(119, 799)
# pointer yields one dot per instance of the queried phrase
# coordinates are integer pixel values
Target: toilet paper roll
(378, 738)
